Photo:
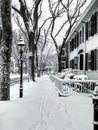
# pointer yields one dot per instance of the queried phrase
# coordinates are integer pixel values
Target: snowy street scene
(42, 109)
(48, 64)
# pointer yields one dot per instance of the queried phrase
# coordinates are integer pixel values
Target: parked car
(81, 77)
(64, 73)
(69, 76)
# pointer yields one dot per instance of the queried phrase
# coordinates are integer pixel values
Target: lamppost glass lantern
(21, 46)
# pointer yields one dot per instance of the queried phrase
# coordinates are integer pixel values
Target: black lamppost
(21, 46)
(95, 109)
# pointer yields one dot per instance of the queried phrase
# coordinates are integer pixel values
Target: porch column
(84, 54)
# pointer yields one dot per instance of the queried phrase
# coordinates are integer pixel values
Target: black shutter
(92, 25)
(95, 23)
(82, 34)
(77, 39)
(80, 37)
(86, 62)
(96, 58)
(89, 60)
(73, 64)
(92, 60)
(86, 29)
(70, 46)
(81, 61)
(89, 28)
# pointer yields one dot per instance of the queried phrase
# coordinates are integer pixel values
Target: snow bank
(42, 109)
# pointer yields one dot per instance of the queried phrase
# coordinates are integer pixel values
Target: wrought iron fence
(67, 87)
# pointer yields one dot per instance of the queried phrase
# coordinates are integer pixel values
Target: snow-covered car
(69, 76)
(60, 75)
(65, 73)
(81, 77)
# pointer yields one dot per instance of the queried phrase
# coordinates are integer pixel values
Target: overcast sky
(45, 10)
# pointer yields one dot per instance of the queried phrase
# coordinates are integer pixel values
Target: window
(94, 59)
(62, 65)
(72, 64)
(76, 63)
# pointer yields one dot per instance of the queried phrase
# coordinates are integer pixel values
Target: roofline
(82, 17)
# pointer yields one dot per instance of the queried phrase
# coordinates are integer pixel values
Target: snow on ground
(42, 109)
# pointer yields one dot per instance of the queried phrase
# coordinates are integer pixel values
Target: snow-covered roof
(85, 15)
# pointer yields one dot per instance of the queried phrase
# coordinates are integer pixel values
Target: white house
(82, 44)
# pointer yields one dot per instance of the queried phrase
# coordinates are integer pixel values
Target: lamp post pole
(21, 50)
(95, 108)
(21, 76)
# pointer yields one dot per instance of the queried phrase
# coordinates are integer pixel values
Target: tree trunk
(32, 49)
(5, 50)
(59, 62)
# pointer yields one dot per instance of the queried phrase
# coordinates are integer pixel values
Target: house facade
(82, 44)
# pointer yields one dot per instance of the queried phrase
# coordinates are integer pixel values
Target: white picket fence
(67, 87)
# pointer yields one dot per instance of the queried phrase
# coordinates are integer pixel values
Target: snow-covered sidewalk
(42, 109)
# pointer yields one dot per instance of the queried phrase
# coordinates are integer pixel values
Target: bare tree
(71, 10)
(34, 30)
(30, 19)
(5, 50)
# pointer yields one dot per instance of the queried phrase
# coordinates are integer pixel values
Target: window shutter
(77, 39)
(89, 60)
(86, 62)
(92, 25)
(83, 34)
(86, 31)
(92, 60)
(95, 23)
(96, 58)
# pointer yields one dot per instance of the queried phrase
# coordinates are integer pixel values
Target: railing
(67, 87)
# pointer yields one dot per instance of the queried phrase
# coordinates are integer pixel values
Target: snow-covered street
(42, 109)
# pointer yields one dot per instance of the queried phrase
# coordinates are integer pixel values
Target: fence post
(95, 109)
